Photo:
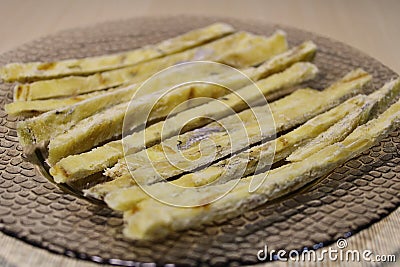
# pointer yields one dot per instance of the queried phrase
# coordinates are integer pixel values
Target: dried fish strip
(37, 107)
(329, 127)
(141, 224)
(154, 164)
(125, 180)
(249, 50)
(72, 168)
(377, 100)
(49, 125)
(257, 157)
(46, 70)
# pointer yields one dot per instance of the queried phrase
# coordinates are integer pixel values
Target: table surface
(371, 26)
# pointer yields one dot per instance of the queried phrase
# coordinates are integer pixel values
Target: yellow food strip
(142, 224)
(46, 70)
(37, 107)
(47, 125)
(248, 49)
(350, 84)
(242, 164)
(74, 167)
(165, 160)
(376, 101)
(51, 124)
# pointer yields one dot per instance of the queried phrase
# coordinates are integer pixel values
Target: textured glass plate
(354, 196)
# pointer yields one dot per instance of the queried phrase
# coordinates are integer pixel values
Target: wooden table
(372, 26)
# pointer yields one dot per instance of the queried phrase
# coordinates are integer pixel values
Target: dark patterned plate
(354, 196)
